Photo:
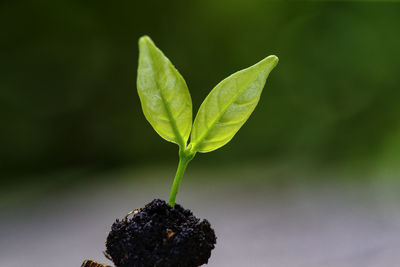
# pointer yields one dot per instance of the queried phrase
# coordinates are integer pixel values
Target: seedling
(169, 235)
(167, 105)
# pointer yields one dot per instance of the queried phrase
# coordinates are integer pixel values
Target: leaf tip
(145, 40)
(275, 59)
(272, 61)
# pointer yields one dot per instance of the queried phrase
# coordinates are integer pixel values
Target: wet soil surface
(160, 235)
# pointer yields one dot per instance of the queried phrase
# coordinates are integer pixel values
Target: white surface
(256, 224)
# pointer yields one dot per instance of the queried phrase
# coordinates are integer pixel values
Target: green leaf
(163, 93)
(229, 105)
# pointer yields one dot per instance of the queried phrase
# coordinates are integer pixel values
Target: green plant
(167, 105)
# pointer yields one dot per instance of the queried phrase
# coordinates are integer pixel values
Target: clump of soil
(160, 235)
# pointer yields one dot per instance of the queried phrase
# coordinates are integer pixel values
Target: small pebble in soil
(161, 235)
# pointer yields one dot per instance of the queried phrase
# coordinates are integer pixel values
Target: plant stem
(185, 156)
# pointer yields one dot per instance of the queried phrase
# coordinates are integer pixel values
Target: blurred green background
(68, 73)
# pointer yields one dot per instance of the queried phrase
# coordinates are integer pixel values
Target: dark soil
(159, 235)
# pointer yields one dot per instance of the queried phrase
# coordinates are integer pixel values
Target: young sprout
(167, 105)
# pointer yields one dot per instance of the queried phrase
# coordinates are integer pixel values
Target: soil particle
(90, 263)
(162, 236)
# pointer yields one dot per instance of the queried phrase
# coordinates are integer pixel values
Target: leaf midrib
(168, 109)
(201, 139)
